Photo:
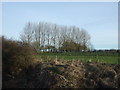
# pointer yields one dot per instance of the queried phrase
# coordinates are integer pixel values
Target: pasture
(103, 57)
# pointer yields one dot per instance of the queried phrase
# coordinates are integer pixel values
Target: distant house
(47, 50)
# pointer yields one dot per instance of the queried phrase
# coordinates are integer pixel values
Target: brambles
(15, 56)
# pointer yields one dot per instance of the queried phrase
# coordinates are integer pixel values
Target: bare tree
(44, 35)
(84, 38)
(48, 32)
(54, 34)
(27, 34)
(37, 35)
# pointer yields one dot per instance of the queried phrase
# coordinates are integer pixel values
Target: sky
(100, 19)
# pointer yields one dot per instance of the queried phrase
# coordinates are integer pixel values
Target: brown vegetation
(15, 57)
(67, 74)
(21, 70)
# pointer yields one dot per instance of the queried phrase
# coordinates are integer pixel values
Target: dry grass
(67, 74)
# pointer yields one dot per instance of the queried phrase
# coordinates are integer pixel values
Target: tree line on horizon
(55, 37)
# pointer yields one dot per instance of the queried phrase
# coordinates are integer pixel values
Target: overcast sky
(100, 19)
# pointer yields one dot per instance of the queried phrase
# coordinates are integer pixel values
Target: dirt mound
(67, 74)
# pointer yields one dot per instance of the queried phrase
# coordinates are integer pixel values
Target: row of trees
(55, 37)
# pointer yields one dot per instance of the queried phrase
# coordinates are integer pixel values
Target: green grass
(103, 57)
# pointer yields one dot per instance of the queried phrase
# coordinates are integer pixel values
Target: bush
(15, 56)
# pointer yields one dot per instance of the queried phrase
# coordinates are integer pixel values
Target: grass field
(104, 57)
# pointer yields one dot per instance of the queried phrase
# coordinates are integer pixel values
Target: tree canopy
(63, 38)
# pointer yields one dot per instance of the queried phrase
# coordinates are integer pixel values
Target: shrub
(15, 56)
